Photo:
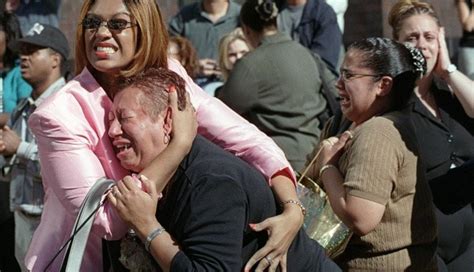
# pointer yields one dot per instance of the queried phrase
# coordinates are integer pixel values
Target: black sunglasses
(112, 24)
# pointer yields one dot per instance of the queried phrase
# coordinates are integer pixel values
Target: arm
(240, 92)
(227, 129)
(460, 84)
(212, 237)
(184, 128)
(69, 166)
(327, 37)
(466, 16)
(359, 214)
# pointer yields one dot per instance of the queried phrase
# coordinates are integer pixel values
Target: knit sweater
(381, 164)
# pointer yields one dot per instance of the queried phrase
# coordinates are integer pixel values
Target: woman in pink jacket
(118, 38)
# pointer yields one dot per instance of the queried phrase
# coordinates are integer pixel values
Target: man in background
(204, 23)
(43, 52)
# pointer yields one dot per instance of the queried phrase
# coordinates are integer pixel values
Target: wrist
(143, 230)
(295, 208)
(151, 236)
(450, 69)
(325, 168)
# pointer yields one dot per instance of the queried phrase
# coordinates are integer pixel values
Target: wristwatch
(451, 68)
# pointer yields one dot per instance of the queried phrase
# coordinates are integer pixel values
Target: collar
(275, 38)
(232, 10)
(58, 84)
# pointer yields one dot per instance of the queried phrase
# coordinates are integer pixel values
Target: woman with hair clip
(120, 38)
(372, 174)
(442, 108)
(276, 86)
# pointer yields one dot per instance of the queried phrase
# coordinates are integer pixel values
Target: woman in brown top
(374, 180)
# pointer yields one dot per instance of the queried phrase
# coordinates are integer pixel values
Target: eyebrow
(116, 14)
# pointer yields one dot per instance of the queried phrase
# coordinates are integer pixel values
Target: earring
(166, 139)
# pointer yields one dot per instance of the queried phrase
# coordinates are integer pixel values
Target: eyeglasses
(347, 75)
(115, 24)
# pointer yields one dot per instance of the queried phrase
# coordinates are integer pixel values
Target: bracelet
(153, 234)
(324, 168)
(303, 209)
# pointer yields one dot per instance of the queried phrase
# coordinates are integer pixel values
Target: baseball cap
(46, 36)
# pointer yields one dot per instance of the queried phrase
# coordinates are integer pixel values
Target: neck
(260, 35)
(377, 109)
(106, 81)
(423, 87)
(215, 7)
(295, 2)
(40, 87)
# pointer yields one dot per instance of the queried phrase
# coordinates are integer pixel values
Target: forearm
(28, 151)
(162, 248)
(284, 190)
(162, 168)
(463, 88)
(333, 180)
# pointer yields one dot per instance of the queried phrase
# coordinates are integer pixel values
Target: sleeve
(327, 38)
(212, 239)
(373, 162)
(70, 167)
(28, 151)
(230, 131)
(239, 92)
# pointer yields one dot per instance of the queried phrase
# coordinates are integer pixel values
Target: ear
(56, 60)
(384, 86)
(168, 121)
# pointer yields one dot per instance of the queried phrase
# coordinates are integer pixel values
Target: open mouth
(105, 50)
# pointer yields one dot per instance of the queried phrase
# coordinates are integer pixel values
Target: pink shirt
(75, 151)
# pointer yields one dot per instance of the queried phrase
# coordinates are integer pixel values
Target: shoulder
(379, 126)
(210, 162)
(79, 106)
(394, 128)
(234, 8)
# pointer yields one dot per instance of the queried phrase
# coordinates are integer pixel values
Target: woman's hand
(331, 150)
(184, 122)
(136, 207)
(281, 230)
(443, 56)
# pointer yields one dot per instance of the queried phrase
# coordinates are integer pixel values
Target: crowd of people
(203, 123)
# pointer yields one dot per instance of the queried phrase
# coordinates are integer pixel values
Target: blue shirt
(14, 89)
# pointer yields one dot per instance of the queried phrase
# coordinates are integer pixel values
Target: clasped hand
(9, 141)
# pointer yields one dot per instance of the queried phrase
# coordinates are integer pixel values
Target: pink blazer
(75, 151)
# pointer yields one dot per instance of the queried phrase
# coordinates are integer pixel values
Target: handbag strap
(82, 227)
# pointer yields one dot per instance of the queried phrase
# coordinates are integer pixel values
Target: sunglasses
(115, 24)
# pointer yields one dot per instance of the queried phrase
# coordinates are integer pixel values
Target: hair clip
(418, 59)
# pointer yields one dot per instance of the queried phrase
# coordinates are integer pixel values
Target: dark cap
(46, 36)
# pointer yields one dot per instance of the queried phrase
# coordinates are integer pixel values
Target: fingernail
(252, 226)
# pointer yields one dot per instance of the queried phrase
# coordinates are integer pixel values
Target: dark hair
(11, 26)
(154, 84)
(259, 14)
(390, 58)
(188, 55)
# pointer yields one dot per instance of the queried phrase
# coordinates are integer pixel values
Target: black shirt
(207, 209)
